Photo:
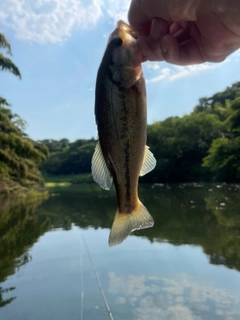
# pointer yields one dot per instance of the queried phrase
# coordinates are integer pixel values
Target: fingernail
(155, 31)
(164, 47)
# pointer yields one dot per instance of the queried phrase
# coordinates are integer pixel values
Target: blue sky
(58, 45)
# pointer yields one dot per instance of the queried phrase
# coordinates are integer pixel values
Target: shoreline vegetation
(67, 180)
(20, 156)
(21, 198)
(203, 146)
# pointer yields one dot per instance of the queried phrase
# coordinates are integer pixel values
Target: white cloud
(52, 21)
(118, 9)
(45, 21)
(178, 72)
(180, 298)
(153, 65)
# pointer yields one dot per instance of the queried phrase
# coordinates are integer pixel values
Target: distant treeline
(201, 146)
(68, 158)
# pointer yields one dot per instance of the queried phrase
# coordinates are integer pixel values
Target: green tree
(72, 158)
(218, 103)
(19, 155)
(6, 63)
(233, 120)
(55, 145)
(224, 154)
(199, 146)
(179, 145)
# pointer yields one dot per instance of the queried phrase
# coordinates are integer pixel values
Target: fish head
(125, 32)
(124, 56)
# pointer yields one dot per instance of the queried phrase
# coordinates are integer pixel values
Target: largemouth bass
(121, 154)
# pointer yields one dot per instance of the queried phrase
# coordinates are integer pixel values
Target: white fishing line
(81, 276)
(99, 282)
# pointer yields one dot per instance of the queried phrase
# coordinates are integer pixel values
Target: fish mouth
(124, 32)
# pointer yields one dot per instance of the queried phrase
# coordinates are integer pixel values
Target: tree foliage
(179, 144)
(69, 158)
(201, 146)
(6, 63)
(5, 44)
(223, 157)
(19, 155)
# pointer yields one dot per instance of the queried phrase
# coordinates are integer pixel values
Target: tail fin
(123, 224)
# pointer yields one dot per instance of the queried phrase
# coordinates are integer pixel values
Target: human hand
(186, 32)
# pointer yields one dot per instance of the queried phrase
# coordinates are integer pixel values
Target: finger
(150, 49)
(189, 30)
(150, 46)
(179, 32)
(142, 11)
(182, 35)
(181, 54)
(175, 27)
(144, 29)
(138, 19)
(159, 29)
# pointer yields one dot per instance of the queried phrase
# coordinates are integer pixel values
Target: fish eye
(117, 41)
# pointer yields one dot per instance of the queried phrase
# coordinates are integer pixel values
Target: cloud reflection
(174, 299)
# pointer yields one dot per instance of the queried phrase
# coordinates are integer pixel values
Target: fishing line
(99, 282)
(81, 276)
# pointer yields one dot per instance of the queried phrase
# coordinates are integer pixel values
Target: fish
(121, 154)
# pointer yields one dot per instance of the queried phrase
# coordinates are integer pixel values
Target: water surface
(184, 268)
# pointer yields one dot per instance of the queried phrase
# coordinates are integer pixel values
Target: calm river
(187, 267)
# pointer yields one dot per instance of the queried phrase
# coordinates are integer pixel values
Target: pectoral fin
(149, 162)
(100, 172)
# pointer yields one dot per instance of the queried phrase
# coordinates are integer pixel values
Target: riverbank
(13, 189)
(67, 180)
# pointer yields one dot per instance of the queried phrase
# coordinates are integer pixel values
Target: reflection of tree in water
(225, 248)
(3, 303)
(206, 215)
(24, 259)
(20, 227)
(85, 206)
(183, 214)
